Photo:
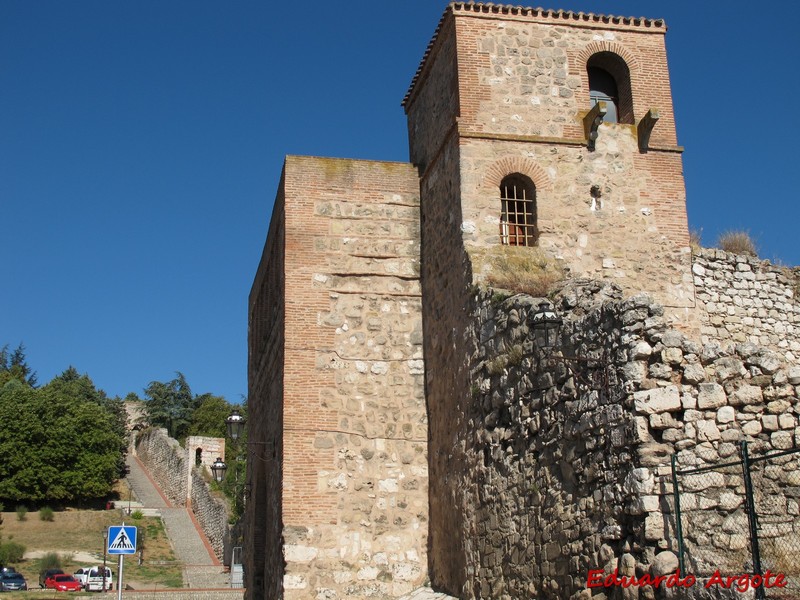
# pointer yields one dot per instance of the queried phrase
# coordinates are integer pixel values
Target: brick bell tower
(535, 132)
(554, 129)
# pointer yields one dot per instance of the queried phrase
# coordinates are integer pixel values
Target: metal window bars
(517, 214)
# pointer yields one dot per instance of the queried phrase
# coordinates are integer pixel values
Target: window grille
(517, 213)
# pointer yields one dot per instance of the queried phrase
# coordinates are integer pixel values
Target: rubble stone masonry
(568, 463)
(353, 461)
(172, 466)
(401, 424)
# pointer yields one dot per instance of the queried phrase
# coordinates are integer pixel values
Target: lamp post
(546, 324)
(235, 425)
(218, 469)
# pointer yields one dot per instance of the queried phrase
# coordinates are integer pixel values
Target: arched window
(518, 211)
(610, 82)
(198, 457)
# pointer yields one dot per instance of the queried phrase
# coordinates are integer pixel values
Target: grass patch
(515, 355)
(737, 242)
(523, 270)
(159, 569)
(75, 533)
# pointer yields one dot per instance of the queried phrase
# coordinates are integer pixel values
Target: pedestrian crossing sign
(122, 539)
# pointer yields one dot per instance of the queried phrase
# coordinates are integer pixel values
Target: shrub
(22, 513)
(737, 242)
(525, 270)
(51, 560)
(696, 239)
(11, 552)
(137, 515)
(515, 355)
(46, 514)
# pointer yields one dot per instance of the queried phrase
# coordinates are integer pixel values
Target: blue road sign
(122, 539)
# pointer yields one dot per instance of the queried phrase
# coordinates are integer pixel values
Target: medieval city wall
(569, 461)
(354, 467)
(747, 299)
(185, 485)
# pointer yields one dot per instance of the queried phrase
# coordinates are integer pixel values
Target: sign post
(121, 541)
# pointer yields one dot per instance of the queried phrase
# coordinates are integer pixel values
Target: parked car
(62, 583)
(48, 573)
(91, 578)
(12, 582)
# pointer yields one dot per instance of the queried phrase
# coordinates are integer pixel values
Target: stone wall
(344, 395)
(446, 279)
(166, 461)
(173, 470)
(263, 543)
(746, 299)
(568, 462)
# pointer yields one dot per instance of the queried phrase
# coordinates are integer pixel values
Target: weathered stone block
(657, 400)
(746, 395)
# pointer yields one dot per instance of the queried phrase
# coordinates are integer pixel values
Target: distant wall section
(184, 484)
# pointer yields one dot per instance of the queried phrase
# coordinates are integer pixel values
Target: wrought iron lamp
(235, 425)
(218, 469)
(546, 326)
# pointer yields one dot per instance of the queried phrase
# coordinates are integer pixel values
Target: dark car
(12, 582)
(48, 573)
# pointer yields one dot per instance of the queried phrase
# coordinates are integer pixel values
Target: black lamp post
(545, 324)
(218, 469)
(235, 425)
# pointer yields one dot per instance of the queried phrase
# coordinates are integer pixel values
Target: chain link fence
(739, 515)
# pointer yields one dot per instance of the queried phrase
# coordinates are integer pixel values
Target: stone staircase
(201, 569)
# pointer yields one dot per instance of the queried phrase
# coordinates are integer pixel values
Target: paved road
(201, 568)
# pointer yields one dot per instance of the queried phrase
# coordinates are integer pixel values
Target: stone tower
(530, 132)
(534, 131)
(556, 130)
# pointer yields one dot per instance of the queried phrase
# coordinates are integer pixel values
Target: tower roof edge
(538, 15)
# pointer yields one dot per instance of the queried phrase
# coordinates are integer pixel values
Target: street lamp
(218, 469)
(235, 425)
(545, 324)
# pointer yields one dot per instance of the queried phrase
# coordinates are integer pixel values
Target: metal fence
(739, 517)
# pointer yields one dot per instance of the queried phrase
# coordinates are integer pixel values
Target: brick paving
(201, 567)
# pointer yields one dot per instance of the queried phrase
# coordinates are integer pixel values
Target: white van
(92, 578)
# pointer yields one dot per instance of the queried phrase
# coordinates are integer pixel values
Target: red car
(62, 583)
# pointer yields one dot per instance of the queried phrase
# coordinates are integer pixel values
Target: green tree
(170, 405)
(59, 443)
(209, 416)
(14, 365)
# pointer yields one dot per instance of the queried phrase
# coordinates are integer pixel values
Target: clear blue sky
(141, 145)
